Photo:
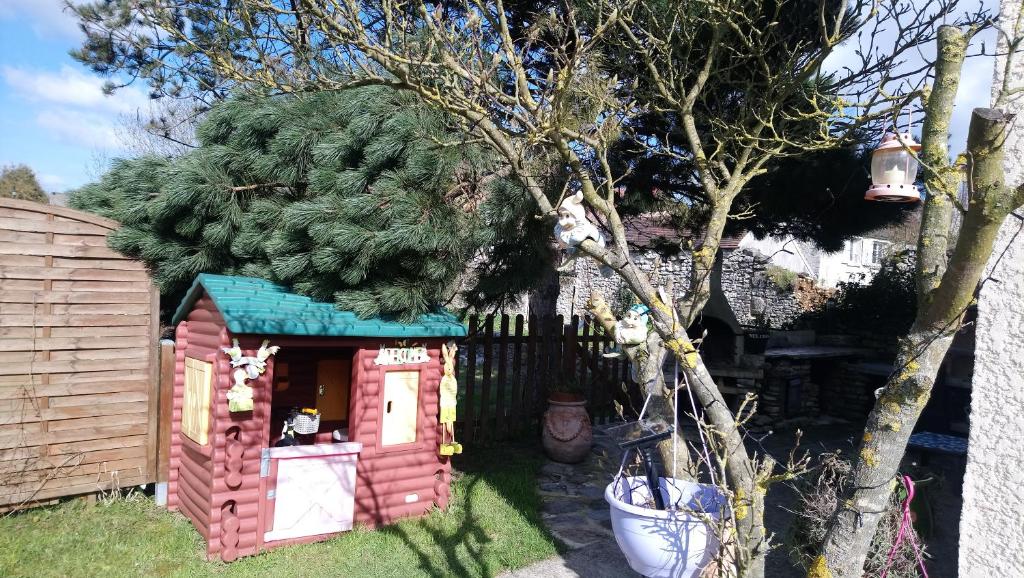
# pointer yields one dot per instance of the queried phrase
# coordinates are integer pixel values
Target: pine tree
(19, 182)
(355, 197)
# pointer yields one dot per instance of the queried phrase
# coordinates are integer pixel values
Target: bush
(886, 306)
(782, 277)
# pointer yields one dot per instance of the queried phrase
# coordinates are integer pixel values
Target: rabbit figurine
(449, 397)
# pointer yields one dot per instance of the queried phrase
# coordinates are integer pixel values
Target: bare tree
(746, 82)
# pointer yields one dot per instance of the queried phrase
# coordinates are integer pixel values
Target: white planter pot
(666, 543)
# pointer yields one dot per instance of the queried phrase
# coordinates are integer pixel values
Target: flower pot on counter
(672, 543)
(567, 435)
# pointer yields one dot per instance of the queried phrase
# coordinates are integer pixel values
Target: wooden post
(165, 413)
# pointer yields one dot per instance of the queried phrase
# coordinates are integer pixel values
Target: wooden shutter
(400, 407)
(195, 412)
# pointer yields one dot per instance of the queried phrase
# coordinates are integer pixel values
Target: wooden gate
(78, 358)
(508, 365)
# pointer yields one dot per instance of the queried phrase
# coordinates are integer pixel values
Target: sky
(55, 118)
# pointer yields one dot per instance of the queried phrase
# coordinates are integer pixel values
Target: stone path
(575, 512)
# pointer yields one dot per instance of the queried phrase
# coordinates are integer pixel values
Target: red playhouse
(293, 420)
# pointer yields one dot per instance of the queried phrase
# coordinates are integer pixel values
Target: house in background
(857, 262)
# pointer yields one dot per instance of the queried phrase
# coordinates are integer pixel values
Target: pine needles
(343, 196)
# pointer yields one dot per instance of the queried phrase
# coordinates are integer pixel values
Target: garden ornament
(573, 228)
(449, 397)
(630, 330)
(894, 170)
(246, 367)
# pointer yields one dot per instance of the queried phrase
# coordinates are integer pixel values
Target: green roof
(251, 305)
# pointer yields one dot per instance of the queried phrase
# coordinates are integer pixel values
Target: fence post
(164, 417)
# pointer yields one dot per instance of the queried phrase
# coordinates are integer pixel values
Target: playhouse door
(400, 407)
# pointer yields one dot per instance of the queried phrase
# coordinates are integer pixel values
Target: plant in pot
(567, 435)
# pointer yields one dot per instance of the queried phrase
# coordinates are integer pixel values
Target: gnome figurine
(573, 228)
(630, 330)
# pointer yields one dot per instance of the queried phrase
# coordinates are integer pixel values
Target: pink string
(906, 529)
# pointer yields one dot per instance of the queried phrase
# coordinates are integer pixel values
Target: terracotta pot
(567, 434)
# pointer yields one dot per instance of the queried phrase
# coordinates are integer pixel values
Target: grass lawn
(493, 523)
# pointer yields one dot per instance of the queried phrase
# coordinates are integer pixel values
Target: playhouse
(252, 472)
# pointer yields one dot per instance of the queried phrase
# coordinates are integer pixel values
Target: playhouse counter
(314, 450)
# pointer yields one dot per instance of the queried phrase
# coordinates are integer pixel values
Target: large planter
(567, 435)
(666, 543)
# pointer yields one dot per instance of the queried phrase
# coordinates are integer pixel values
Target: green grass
(493, 523)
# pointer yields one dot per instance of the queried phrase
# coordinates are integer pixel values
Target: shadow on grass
(486, 476)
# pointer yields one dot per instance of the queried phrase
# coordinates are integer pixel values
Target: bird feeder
(893, 170)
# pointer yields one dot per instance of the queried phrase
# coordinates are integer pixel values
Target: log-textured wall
(78, 357)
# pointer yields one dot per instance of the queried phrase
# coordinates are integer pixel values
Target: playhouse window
(195, 416)
(399, 407)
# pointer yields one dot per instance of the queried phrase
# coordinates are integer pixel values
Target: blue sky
(56, 119)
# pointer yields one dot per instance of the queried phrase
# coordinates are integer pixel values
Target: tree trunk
(881, 450)
(543, 300)
(920, 355)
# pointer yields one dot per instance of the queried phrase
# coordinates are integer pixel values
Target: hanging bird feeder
(894, 169)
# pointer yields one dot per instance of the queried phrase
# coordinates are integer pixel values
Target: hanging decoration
(449, 399)
(573, 228)
(894, 170)
(246, 368)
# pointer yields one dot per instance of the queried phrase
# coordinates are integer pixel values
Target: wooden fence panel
(469, 432)
(509, 375)
(486, 413)
(502, 383)
(78, 336)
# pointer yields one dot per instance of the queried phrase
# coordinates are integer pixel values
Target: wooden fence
(78, 359)
(508, 365)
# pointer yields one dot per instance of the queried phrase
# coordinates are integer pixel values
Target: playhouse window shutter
(400, 407)
(195, 412)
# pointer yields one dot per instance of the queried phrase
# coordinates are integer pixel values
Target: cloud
(73, 87)
(79, 128)
(47, 18)
(51, 182)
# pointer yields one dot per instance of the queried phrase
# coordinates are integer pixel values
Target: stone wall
(993, 507)
(788, 390)
(744, 284)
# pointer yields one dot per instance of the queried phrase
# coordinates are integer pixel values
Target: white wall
(992, 520)
(784, 252)
(856, 262)
(829, 269)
